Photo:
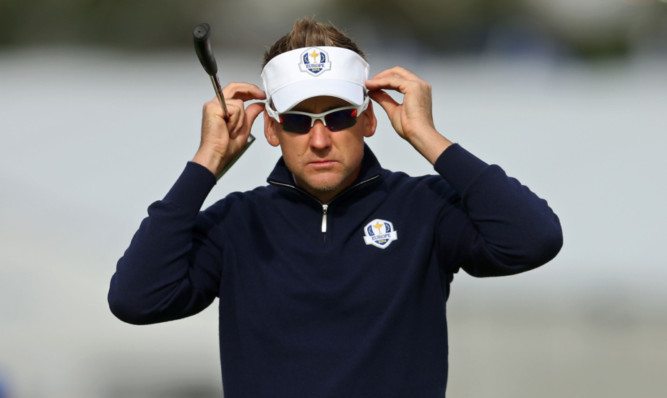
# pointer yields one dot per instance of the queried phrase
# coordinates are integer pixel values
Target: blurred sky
(91, 136)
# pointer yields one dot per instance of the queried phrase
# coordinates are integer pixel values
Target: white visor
(297, 75)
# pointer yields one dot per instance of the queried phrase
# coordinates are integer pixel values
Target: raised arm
(504, 228)
(171, 270)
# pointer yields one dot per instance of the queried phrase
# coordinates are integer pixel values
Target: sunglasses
(335, 119)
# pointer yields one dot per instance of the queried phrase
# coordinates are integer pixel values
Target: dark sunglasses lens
(295, 123)
(341, 120)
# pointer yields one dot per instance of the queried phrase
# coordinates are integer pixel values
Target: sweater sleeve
(504, 227)
(167, 273)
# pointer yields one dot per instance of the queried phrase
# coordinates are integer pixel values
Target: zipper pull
(324, 218)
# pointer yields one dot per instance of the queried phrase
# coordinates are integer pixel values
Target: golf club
(202, 42)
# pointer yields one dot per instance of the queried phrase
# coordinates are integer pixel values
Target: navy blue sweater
(338, 300)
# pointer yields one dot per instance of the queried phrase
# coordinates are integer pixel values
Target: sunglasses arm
(271, 112)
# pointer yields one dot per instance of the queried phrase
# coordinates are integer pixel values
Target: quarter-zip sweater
(307, 306)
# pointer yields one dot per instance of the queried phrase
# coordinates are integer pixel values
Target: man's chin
(323, 185)
(326, 183)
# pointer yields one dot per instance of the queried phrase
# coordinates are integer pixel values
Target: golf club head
(201, 35)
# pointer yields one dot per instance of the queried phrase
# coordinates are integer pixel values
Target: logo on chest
(379, 233)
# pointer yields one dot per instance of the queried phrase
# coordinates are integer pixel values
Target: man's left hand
(413, 119)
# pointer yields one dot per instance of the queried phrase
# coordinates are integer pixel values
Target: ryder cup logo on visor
(380, 233)
(314, 61)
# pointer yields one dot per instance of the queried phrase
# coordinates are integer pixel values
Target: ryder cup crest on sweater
(380, 233)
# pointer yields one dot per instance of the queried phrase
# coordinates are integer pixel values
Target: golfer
(332, 278)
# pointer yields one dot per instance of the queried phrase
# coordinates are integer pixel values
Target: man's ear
(270, 126)
(369, 120)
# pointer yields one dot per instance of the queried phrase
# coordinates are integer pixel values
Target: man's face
(323, 162)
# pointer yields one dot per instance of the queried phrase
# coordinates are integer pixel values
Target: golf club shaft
(218, 93)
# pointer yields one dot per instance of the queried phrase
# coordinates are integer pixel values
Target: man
(333, 278)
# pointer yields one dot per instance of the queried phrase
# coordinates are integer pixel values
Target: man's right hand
(221, 140)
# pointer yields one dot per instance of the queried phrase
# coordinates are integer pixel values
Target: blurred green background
(587, 29)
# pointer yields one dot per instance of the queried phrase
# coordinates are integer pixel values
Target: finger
(236, 116)
(243, 91)
(399, 72)
(396, 78)
(388, 83)
(212, 113)
(246, 118)
(251, 113)
(385, 100)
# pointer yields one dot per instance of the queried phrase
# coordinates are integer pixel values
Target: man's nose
(320, 135)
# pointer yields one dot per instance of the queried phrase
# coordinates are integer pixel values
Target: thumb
(252, 111)
(385, 100)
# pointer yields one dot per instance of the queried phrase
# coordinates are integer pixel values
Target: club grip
(201, 35)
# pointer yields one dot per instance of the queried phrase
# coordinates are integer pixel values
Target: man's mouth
(321, 164)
